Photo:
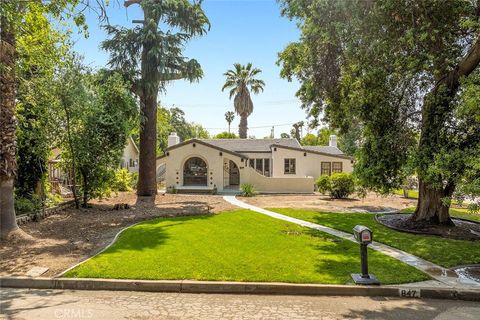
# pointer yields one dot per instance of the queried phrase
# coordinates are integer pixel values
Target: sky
(241, 31)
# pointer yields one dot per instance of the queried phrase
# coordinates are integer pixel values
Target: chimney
(173, 139)
(333, 141)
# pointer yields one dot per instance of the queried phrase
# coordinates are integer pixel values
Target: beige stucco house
(270, 165)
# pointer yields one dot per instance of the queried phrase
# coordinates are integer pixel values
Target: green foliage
(247, 189)
(99, 114)
(41, 50)
(310, 140)
(343, 185)
(173, 120)
(324, 184)
(410, 102)
(339, 185)
(225, 135)
(53, 200)
(27, 205)
(240, 81)
(123, 180)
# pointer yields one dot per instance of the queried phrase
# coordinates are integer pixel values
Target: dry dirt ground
(372, 202)
(65, 239)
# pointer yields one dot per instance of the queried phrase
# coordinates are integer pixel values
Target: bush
(323, 184)
(122, 181)
(53, 199)
(339, 185)
(26, 205)
(248, 190)
(343, 185)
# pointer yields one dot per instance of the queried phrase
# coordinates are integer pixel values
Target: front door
(234, 174)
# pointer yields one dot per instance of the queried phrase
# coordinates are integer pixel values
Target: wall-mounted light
(304, 154)
(194, 145)
(221, 153)
(274, 149)
(168, 153)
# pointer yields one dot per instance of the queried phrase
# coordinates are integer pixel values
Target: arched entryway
(195, 172)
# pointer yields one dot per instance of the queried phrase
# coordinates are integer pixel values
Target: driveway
(66, 304)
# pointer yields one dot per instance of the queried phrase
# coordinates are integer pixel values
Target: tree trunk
(72, 152)
(243, 126)
(431, 209)
(85, 190)
(147, 182)
(8, 223)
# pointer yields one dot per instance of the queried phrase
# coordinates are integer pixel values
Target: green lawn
(411, 193)
(238, 246)
(445, 252)
(455, 212)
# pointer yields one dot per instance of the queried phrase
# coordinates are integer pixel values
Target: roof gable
(251, 145)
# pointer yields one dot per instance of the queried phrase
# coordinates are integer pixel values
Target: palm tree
(229, 116)
(239, 81)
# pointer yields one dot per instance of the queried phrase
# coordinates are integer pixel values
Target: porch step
(195, 191)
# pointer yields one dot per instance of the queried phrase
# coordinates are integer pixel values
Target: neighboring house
(271, 165)
(130, 156)
(58, 177)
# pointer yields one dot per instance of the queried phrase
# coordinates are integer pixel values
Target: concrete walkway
(435, 271)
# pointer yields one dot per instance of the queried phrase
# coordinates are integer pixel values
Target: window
(337, 167)
(266, 165)
(259, 165)
(289, 166)
(326, 168)
(251, 163)
(131, 163)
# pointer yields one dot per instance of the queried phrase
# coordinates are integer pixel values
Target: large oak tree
(406, 72)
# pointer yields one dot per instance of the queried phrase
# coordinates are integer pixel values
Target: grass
(455, 212)
(412, 194)
(444, 252)
(237, 246)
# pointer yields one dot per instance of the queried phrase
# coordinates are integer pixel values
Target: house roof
(201, 141)
(324, 149)
(251, 145)
(240, 146)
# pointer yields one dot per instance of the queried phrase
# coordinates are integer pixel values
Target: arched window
(195, 172)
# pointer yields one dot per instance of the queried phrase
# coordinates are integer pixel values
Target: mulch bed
(462, 229)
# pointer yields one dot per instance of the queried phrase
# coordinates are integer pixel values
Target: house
(270, 165)
(130, 155)
(58, 178)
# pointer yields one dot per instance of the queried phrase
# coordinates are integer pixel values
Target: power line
(259, 127)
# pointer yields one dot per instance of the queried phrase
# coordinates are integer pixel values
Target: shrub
(133, 180)
(248, 190)
(53, 199)
(342, 185)
(122, 180)
(324, 184)
(26, 205)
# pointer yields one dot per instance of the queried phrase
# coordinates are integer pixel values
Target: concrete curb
(274, 288)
